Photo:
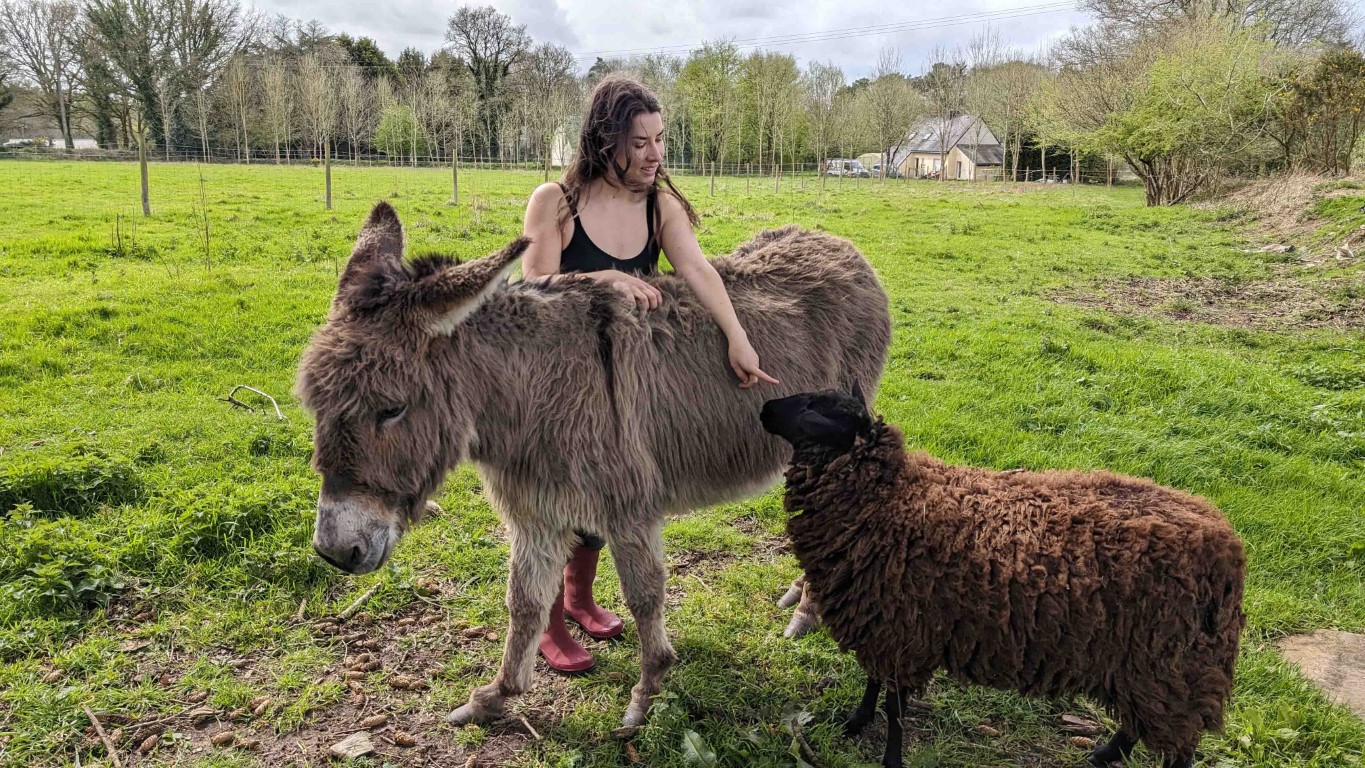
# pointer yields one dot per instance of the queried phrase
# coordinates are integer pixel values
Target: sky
(848, 32)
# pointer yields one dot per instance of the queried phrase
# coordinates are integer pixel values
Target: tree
(1181, 103)
(1318, 111)
(355, 107)
(891, 107)
(821, 84)
(944, 86)
(1292, 23)
(1000, 94)
(6, 97)
(767, 82)
(708, 83)
(317, 101)
(546, 78)
(237, 83)
(411, 66)
(365, 54)
(277, 102)
(399, 134)
(162, 49)
(489, 44)
(38, 41)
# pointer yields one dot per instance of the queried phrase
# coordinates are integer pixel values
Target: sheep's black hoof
(854, 724)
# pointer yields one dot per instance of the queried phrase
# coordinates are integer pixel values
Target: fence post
(327, 165)
(748, 169)
(142, 168)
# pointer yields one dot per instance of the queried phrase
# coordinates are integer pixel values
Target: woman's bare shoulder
(549, 193)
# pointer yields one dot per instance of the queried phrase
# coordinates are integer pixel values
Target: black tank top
(583, 255)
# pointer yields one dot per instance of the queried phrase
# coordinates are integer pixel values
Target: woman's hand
(744, 362)
(643, 294)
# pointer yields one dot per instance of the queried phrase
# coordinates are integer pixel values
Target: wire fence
(293, 156)
(211, 213)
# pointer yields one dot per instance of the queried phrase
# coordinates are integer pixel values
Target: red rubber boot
(579, 574)
(561, 651)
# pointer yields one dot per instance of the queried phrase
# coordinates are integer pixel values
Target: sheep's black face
(830, 419)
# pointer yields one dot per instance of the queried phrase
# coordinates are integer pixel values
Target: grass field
(154, 554)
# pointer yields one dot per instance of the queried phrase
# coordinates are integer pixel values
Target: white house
(973, 152)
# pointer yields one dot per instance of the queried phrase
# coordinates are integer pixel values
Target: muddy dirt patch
(1276, 304)
(1334, 661)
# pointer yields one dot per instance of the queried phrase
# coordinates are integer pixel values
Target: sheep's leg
(1116, 751)
(806, 618)
(532, 585)
(893, 757)
(866, 710)
(639, 557)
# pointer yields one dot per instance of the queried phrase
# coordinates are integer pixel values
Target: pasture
(155, 564)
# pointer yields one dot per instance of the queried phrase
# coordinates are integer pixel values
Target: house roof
(962, 131)
(984, 154)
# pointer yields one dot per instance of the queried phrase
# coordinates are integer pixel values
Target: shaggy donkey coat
(1047, 583)
(580, 412)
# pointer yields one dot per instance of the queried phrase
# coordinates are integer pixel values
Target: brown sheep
(1047, 583)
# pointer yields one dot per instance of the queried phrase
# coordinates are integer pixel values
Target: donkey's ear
(444, 299)
(377, 258)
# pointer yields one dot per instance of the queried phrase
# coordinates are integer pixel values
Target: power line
(796, 38)
(837, 34)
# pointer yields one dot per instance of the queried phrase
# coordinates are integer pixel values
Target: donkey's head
(389, 424)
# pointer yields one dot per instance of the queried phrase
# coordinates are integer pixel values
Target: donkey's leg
(538, 557)
(639, 556)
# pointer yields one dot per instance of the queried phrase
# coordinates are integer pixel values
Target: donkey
(579, 412)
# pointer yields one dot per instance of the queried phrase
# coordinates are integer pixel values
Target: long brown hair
(613, 105)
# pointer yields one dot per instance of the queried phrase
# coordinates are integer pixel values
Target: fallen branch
(298, 615)
(359, 603)
(807, 753)
(104, 737)
(235, 403)
(531, 730)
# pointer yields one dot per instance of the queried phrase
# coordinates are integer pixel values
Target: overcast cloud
(594, 27)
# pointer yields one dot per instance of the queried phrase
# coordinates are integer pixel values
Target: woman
(607, 221)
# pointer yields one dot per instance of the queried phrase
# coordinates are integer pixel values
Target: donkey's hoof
(800, 626)
(462, 715)
(635, 715)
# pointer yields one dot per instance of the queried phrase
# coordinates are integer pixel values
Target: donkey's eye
(389, 414)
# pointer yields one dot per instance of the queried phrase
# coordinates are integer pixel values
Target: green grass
(131, 489)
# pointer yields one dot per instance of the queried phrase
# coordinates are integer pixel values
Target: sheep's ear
(443, 300)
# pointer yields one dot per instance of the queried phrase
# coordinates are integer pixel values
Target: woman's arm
(684, 253)
(541, 224)
(541, 260)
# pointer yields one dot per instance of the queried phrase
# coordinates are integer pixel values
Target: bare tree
(355, 107)
(277, 102)
(944, 85)
(489, 44)
(890, 107)
(546, 80)
(1291, 23)
(317, 100)
(237, 84)
(38, 39)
